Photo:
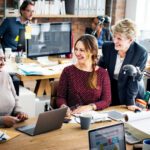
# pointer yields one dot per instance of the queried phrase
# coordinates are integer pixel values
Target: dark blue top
(128, 89)
(104, 36)
(9, 30)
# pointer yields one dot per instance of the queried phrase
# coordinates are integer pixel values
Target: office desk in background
(42, 81)
(69, 137)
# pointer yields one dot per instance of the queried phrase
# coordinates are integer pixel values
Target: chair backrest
(54, 85)
(16, 82)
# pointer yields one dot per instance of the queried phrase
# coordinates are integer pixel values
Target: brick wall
(118, 10)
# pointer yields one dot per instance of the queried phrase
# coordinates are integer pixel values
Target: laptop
(47, 121)
(107, 138)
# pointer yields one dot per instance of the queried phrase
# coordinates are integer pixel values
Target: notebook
(107, 138)
(47, 121)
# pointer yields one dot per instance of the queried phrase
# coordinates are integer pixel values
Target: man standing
(9, 29)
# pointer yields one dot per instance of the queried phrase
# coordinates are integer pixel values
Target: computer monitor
(49, 39)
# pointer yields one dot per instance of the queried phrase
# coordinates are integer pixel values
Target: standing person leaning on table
(9, 29)
(84, 86)
(122, 51)
(9, 108)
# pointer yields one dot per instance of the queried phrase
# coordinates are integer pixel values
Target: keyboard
(131, 139)
(115, 115)
(28, 127)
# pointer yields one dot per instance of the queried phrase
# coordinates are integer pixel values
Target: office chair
(16, 82)
(54, 85)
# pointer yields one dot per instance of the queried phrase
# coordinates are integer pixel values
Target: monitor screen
(108, 138)
(49, 39)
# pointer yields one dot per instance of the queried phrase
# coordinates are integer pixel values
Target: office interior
(35, 100)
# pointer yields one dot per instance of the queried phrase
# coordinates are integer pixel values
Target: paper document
(140, 120)
(7, 134)
(35, 69)
(96, 116)
(60, 67)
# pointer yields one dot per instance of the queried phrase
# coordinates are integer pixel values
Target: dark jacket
(128, 89)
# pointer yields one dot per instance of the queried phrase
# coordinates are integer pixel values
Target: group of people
(94, 85)
(90, 83)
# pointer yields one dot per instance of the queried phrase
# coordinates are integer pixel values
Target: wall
(78, 24)
(114, 8)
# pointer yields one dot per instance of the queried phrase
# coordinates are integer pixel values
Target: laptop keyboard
(28, 129)
(130, 138)
(115, 115)
(25, 128)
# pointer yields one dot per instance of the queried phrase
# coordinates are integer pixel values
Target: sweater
(73, 89)
(8, 98)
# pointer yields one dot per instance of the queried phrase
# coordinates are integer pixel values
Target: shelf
(54, 16)
(63, 16)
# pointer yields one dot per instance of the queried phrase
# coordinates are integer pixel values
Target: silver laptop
(47, 121)
(107, 138)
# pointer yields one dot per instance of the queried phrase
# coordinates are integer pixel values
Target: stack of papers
(34, 69)
(3, 137)
(96, 116)
(6, 135)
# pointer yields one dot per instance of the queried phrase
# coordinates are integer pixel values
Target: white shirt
(8, 97)
(119, 62)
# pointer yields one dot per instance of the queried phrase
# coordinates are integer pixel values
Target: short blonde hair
(126, 27)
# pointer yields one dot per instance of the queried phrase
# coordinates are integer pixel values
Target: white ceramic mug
(146, 144)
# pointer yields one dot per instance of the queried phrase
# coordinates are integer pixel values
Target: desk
(43, 81)
(69, 137)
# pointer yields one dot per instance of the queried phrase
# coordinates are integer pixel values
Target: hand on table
(69, 111)
(22, 117)
(9, 121)
(134, 107)
(81, 109)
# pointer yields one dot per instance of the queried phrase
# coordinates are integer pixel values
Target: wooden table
(69, 137)
(42, 81)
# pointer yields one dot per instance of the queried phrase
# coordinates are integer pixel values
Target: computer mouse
(137, 110)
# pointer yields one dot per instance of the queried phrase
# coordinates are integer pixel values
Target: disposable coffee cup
(146, 144)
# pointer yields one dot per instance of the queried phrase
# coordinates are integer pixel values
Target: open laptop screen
(108, 138)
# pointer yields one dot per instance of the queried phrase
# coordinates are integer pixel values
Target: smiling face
(83, 56)
(122, 43)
